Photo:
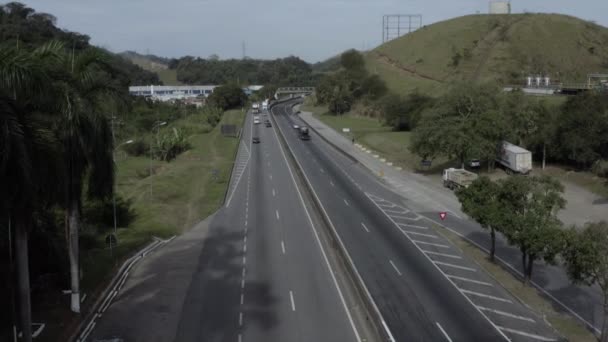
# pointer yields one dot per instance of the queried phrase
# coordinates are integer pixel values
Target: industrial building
(171, 93)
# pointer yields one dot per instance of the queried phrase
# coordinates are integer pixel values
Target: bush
(100, 213)
(227, 96)
(170, 145)
(136, 148)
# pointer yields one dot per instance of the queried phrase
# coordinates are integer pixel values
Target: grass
(177, 196)
(566, 325)
(168, 77)
(584, 179)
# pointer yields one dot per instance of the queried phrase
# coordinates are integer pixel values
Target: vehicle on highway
(268, 124)
(256, 122)
(255, 108)
(255, 140)
(303, 133)
(296, 127)
(458, 178)
(265, 105)
(514, 159)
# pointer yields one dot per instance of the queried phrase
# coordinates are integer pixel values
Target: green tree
(340, 102)
(86, 138)
(28, 155)
(352, 60)
(531, 224)
(227, 96)
(403, 113)
(481, 202)
(465, 123)
(586, 259)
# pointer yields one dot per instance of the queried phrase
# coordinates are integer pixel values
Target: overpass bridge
(293, 91)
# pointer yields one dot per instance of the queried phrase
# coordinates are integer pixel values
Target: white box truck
(514, 159)
(458, 178)
(255, 108)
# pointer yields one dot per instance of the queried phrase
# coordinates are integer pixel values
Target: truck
(458, 178)
(265, 105)
(514, 159)
(303, 133)
(255, 108)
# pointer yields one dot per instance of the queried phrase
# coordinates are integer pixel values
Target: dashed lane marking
(445, 334)
(240, 319)
(283, 246)
(364, 227)
(395, 267)
(346, 202)
(483, 295)
(293, 303)
(277, 213)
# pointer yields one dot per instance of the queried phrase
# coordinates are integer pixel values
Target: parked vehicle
(474, 163)
(458, 178)
(514, 159)
(304, 134)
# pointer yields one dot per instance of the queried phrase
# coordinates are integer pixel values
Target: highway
(424, 287)
(258, 274)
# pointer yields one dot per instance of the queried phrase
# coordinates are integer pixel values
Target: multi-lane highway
(424, 287)
(260, 274)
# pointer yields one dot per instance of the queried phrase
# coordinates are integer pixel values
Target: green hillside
(504, 48)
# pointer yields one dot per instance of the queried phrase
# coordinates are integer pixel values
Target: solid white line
(240, 319)
(277, 213)
(506, 314)
(431, 244)
(534, 336)
(293, 303)
(395, 267)
(364, 227)
(345, 201)
(455, 266)
(412, 226)
(486, 296)
(447, 337)
(443, 254)
(469, 280)
(420, 234)
(312, 227)
(388, 332)
(283, 247)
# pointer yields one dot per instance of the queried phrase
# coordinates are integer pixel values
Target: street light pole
(156, 126)
(114, 184)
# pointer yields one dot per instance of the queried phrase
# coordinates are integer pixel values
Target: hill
(503, 48)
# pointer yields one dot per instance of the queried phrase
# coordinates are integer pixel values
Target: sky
(313, 30)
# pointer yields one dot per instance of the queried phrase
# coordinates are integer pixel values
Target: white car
(256, 122)
(296, 126)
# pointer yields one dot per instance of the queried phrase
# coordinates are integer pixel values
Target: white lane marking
(270, 177)
(431, 244)
(243, 273)
(322, 171)
(245, 223)
(273, 193)
(417, 218)
(236, 185)
(293, 303)
(412, 226)
(392, 205)
(283, 246)
(455, 266)
(244, 260)
(395, 267)
(243, 283)
(244, 248)
(240, 338)
(447, 337)
(240, 319)
(420, 234)
(534, 336)
(242, 298)
(245, 239)
(346, 202)
(483, 295)
(443, 254)
(312, 227)
(388, 332)
(395, 212)
(277, 213)
(364, 227)
(506, 314)
(469, 280)
(332, 183)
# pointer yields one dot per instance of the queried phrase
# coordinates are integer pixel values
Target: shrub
(136, 148)
(170, 145)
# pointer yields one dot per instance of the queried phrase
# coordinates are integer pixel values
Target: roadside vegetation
(73, 143)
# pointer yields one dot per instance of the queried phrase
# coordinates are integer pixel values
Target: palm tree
(27, 155)
(87, 145)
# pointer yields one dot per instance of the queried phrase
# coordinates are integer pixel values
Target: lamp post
(130, 141)
(156, 127)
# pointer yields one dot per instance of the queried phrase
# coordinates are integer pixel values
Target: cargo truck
(255, 108)
(458, 178)
(514, 159)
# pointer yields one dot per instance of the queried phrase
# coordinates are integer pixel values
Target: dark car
(255, 140)
(268, 124)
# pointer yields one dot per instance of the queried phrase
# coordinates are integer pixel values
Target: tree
(531, 224)
(87, 145)
(28, 155)
(464, 124)
(227, 96)
(403, 113)
(352, 60)
(586, 259)
(340, 101)
(481, 202)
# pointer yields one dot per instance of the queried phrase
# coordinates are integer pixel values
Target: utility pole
(244, 48)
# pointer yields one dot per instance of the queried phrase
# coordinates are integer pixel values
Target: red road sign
(443, 215)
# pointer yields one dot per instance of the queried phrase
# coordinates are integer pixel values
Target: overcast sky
(311, 29)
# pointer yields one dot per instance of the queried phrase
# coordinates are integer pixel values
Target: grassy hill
(153, 63)
(504, 48)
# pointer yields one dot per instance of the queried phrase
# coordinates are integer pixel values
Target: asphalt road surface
(424, 287)
(256, 273)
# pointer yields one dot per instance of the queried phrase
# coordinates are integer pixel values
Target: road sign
(111, 240)
(443, 215)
